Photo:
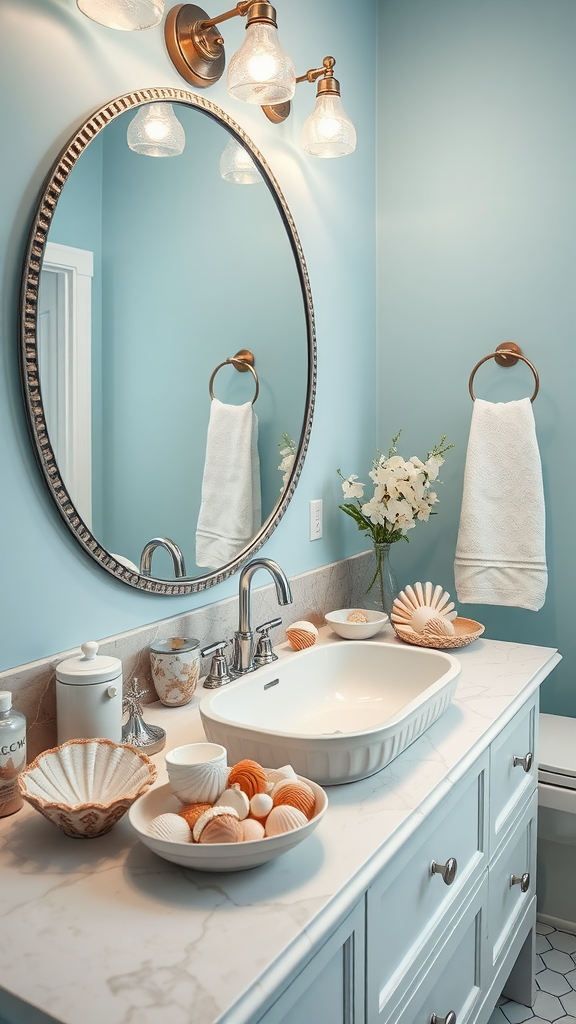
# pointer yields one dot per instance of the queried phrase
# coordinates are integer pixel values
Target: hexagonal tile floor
(555, 982)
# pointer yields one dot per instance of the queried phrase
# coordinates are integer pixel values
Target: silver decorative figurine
(147, 738)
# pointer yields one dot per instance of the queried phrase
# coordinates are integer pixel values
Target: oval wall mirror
(162, 271)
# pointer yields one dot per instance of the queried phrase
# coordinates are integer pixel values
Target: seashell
(295, 794)
(170, 827)
(416, 605)
(438, 626)
(85, 785)
(234, 797)
(250, 776)
(260, 805)
(213, 812)
(251, 830)
(191, 812)
(224, 829)
(278, 774)
(284, 819)
(301, 634)
(357, 616)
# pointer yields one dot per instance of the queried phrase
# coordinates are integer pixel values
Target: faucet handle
(219, 672)
(264, 654)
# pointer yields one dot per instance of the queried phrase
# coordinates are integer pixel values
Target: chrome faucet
(171, 548)
(243, 658)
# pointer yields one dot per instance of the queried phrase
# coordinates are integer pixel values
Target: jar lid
(89, 668)
(175, 645)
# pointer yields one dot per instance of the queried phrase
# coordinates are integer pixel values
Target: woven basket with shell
(424, 615)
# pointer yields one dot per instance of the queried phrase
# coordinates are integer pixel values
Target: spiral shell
(170, 827)
(284, 819)
(295, 794)
(224, 829)
(416, 605)
(191, 812)
(250, 776)
(301, 634)
(251, 830)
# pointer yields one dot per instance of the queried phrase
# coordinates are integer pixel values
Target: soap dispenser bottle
(12, 754)
(89, 696)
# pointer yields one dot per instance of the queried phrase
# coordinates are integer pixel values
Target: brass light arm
(280, 111)
(241, 10)
(327, 70)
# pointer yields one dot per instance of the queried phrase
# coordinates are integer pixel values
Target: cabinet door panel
(510, 784)
(409, 903)
(507, 902)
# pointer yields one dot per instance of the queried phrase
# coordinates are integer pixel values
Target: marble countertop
(103, 929)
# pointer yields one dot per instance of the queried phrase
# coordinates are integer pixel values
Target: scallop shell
(357, 616)
(171, 827)
(250, 776)
(295, 794)
(192, 812)
(416, 605)
(224, 829)
(284, 819)
(251, 830)
(209, 815)
(301, 634)
(260, 805)
(438, 626)
(234, 797)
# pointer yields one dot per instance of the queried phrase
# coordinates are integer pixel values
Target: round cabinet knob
(525, 761)
(112, 691)
(523, 881)
(448, 872)
(450, 1018)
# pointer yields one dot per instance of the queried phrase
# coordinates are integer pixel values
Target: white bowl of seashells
(261, 813)
(356, 623)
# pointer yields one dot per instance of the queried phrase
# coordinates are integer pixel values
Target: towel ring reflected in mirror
(506, 354)
(242, 361)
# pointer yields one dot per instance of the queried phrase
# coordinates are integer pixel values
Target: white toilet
(556, 884)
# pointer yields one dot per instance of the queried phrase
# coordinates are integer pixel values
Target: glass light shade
(125, 15)
(261, 71)
(328, 132)
(156, 131)
(237, 166)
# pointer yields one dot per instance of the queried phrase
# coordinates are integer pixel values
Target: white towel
(500, 553)
(230, 510)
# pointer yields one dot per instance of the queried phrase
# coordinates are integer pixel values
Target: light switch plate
(316, 519)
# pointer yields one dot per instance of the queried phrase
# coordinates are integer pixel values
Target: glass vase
(381, 584)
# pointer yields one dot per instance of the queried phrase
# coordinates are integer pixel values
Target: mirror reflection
(156, 271)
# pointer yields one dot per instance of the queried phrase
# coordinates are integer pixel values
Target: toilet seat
(557, 762)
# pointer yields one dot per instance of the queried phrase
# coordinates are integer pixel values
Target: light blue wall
(56, 67)
(476, 174)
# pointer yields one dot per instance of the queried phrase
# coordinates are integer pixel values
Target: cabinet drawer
(409, 903)
(455, 978)
(507, 902)
(510, 783)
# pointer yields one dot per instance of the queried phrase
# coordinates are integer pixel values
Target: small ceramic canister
(198, 772)
(175, 665)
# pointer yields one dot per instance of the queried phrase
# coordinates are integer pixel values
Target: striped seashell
(295, 794)
(250, 776)
(301, 634)
(284, 819)
(191, 812)
(416, 605)
(213, 812)
(438, 627)
(224, 829)
(251, 830)
(170, 827)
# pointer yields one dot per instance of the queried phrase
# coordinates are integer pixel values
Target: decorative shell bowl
(465, 631)
(349, 630)
(85, 786)
(217, 856)
(424, 615)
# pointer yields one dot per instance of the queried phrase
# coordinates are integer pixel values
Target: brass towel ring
(242, 361)
(506, 354)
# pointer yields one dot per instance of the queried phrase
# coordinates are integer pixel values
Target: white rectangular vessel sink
(336, 713)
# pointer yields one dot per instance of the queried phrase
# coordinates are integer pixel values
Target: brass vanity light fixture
(156, 131)
(125, 15)
(259, 72)
(237, 166)
(328, 131)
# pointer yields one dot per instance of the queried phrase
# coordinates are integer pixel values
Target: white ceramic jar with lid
(89, 696)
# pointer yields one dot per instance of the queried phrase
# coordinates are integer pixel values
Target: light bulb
(125, 15)
(328, 132)
(237, 166)
(156, 131)
(261, 71)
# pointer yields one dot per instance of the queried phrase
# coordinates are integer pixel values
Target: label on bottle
(12, 762)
